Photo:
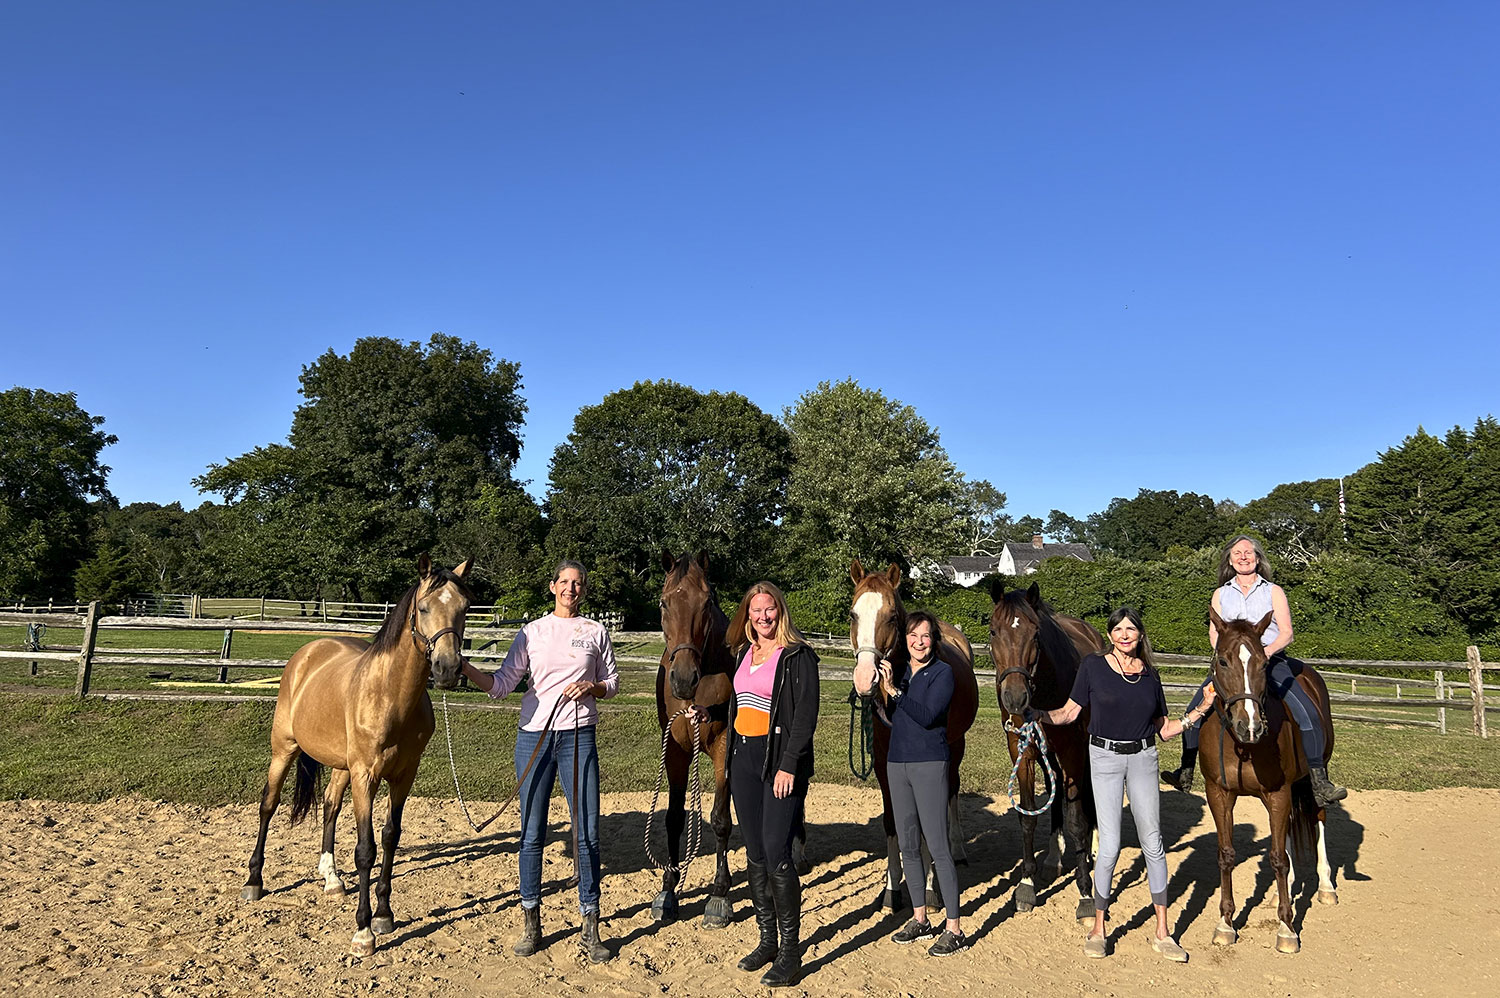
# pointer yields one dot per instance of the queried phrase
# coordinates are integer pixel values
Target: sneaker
(914, 930)
(948, 943)
(1095, 948)
(1168, 948)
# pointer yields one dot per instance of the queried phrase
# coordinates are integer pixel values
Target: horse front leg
(1221, 803)
(390, 838)
(363, 783)
(270, 797)
(955, 827)
(1080, 837)
(1280, 807)
(718, 913)
(333, 803)
(893, 898)
(664, 905)
(1026, 889)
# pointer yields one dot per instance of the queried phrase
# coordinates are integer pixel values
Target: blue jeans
(556, 755)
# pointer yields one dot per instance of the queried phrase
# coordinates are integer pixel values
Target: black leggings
(1281, 682)
(767, 822)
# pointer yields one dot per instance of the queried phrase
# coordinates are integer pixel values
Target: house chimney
(1036, 540)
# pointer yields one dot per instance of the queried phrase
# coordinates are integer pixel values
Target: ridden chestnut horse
(696, 669)
(877, 630)
(363, 710)
(1036, 654)
(1248, 747)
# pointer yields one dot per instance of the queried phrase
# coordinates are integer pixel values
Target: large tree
(49, 476)
(1144, 528)
(663, 466)
(1299, 520)
(870, 479)
(385, 459)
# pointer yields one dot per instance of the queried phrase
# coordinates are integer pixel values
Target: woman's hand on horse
(781, 784)
(886, 682)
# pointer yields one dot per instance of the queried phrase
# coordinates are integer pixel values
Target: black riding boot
(1325, 791)
(1181, 778)
(786, 894)
(593, 947)
(765, 918)
(531, 932)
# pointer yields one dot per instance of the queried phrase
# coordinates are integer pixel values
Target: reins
(694, 817)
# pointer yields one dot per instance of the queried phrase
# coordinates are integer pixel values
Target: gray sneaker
(914, 930)
(948, 943)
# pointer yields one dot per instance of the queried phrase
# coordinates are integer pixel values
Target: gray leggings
(1112, 773)
(919, 803)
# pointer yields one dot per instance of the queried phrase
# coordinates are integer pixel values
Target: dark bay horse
(1248, 747)
(363, 710)
(1036, 654)
(697, 669)
(877, 630)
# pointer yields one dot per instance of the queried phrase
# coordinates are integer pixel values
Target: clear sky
(1101, 246)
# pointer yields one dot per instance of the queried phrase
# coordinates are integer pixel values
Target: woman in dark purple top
(1128, 711)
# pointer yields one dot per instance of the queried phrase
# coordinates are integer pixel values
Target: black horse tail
(1304, 819)
(308, 787)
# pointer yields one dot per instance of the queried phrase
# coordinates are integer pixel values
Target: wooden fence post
(1442, 694)
(224, 654)
(262, 608)
(86, 649)
(1476, 690)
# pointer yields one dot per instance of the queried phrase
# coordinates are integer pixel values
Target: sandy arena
(134, 897)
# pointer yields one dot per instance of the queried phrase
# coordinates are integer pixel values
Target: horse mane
(394, 627)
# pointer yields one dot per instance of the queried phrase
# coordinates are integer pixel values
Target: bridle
(1222, 703)
(1028, 671)
(701, 647)
(429, 642)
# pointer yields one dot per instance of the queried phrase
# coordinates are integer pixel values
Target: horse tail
(308, 788)
(1304, 819)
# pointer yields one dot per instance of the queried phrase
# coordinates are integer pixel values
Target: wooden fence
(488, 633)
(194, 606)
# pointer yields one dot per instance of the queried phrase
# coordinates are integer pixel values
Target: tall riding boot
(786, 894)
(1325, 791)
(593, 947)
(765, 918)
(531, 932)
(1181, 778)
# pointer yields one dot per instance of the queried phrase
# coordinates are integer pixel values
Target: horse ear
(424, 566)
(702, 560)
(856, 571)
(893, 574)
(1265, 622)
(997, 589)
(1034, 595)
(667, 559)
(462, 571)
(1216, 620)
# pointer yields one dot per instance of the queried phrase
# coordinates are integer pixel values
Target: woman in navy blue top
(1128, 711)
(916, 705)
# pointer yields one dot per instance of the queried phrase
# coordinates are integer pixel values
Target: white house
(1013, 559)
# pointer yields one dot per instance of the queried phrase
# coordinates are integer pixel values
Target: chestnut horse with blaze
(877, 630)
(1248, 747)
(363, 710)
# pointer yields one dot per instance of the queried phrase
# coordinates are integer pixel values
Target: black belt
(1123, 748)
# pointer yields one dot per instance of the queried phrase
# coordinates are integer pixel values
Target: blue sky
(1101, 246)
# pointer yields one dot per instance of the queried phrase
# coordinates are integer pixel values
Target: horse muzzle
(445, 673)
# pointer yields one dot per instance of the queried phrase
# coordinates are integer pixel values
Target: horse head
(877, 623)
(687, 599)
(1015, 644)
(439, 607)
(1239, 676)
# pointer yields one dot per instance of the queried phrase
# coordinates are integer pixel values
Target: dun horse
(1036, 654)
(877, 630)
(363, 711)
(696, 670)
(1248, 748)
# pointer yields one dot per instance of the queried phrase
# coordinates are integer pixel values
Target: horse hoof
(1225, 936)
(664, 907)
(335, 891)
(253, 892)
(1025, 897)
(1288, 944)
(717, 914)
(382, 925)
(891, 899)
(1328, 897)
(363, 943)
(1085, 910)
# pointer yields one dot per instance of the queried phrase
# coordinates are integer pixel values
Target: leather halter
(1027, 673)
(1222, 703)
(429, 643)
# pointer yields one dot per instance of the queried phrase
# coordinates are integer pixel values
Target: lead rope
(1031, 734)
(694, 816)
(520, 781)
(861, 717)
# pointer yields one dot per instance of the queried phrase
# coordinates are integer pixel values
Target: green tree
(1144, 527)
(109, 576)
(869, 479)
(1067, 529)
(661, 465)
(1299, 520)
(49, 473)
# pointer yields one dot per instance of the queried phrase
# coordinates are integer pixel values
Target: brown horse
(1249, 748)
(696, 670)
(363, 710)
(877, 630)
(1036, 654)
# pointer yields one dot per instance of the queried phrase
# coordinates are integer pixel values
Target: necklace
(1131, 678)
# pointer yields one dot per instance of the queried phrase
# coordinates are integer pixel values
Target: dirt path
(136, 897)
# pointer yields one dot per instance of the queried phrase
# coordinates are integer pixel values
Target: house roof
(1025, 555)
(982, 564)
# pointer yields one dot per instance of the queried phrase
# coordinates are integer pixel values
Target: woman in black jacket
(771, 720)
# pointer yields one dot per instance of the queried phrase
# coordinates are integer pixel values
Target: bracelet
(1187, 724)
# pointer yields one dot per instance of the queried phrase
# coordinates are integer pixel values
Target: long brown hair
(740, 632)
(1262, 566)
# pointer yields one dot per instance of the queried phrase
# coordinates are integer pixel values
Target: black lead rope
(861, 717)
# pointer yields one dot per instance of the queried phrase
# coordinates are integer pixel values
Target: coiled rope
(1031, 734)
(695, 786)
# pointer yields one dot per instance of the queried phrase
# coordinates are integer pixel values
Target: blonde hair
(741, 632)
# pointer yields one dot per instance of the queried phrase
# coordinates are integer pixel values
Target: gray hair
(567, 563)
(1262, 566)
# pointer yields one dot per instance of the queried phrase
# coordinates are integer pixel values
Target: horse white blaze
(866, 612)
(1245, 665)
(445, 597)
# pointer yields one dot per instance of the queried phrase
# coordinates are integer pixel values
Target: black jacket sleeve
(797, 752)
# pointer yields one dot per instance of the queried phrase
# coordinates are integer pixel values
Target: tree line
(403, 447)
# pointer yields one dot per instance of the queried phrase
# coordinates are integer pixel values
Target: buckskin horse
(877, 630)
(1248, 748)
(697, 670)
(1036, 654)
(363, 710)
